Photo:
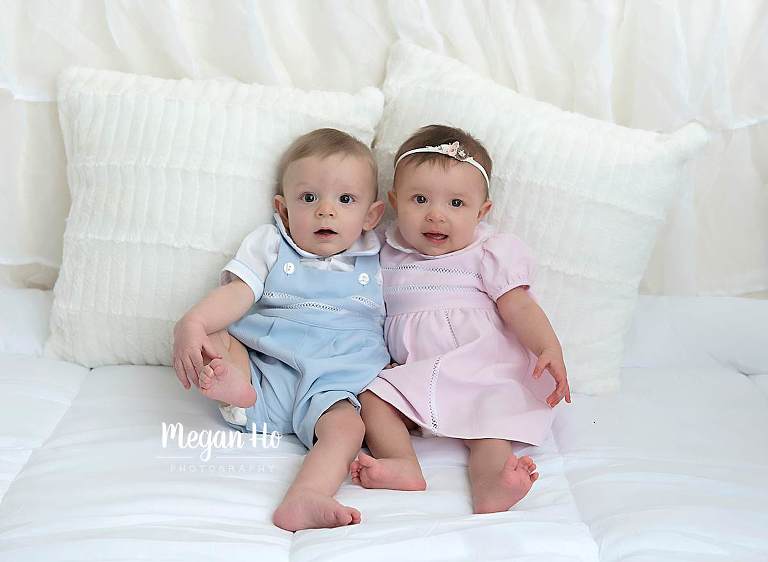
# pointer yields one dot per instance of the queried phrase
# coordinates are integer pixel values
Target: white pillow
(24, 315)
(166, 178)
(587, 196)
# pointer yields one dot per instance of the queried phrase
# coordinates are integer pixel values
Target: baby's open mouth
(325, 232)
(436, 236)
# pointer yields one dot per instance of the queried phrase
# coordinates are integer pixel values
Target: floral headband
(455, 151)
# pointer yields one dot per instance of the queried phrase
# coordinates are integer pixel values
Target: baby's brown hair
(322, 143)
(435, 135)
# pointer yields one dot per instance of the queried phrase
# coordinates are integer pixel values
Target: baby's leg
(498, 478)
(395, 465)
(309, 503)
(228, 379)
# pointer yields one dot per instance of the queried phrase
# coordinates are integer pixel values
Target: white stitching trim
(448, 319)
(432, 405)
(366, 301)
(314, 305)
(279, 295)
(434, 288)
(318, 305)
(414, 267)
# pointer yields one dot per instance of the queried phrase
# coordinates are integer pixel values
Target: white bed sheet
(673, 467)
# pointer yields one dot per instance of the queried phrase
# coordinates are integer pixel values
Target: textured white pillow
(166, 178)
(587, 196)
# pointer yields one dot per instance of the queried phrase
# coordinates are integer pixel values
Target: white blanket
(674, 467)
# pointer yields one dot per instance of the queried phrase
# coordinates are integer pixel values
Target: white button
(289, 268)
(363, 279)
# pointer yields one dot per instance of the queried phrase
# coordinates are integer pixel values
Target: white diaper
(233, 414)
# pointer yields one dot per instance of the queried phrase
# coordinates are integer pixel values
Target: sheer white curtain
(649, 65)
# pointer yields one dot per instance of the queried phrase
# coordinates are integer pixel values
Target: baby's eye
(420, 199)
(308, 197)
(457, 202)
(346, 198)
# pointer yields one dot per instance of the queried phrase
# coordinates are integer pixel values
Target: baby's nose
(435, 216)
(325, 210)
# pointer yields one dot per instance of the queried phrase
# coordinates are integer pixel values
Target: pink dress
(462, 373)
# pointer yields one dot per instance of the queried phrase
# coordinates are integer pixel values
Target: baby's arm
(531, 326)
(216, 311)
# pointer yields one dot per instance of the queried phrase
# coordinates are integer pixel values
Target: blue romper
(315, 337)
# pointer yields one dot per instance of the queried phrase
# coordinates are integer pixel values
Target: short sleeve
(507, 263)
(253, 260)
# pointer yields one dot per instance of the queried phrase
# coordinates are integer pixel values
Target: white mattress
(673, 467)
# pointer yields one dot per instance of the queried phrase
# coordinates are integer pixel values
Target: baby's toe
(365, 461)
(218, 366)
(203, 380)
(342, 517)
(356, 517)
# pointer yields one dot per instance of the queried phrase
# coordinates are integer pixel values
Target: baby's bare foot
(312, 510)
(392, 474)
(220, 380)
(501, 491)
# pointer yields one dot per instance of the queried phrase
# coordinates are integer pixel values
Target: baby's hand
(189, 341)
(552, 361)
(391, 365)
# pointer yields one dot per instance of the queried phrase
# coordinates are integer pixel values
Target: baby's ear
(373, 217)
(281, 208)
(485, 208)
(392, 196)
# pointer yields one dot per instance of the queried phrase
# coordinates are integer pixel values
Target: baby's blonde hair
(322, 143)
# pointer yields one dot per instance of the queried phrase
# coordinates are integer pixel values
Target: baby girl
(294, 332)
(468, 340)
